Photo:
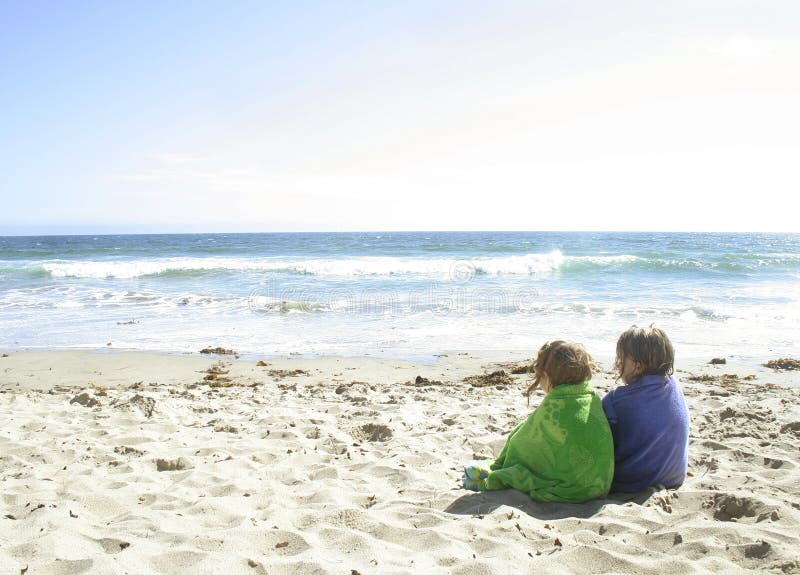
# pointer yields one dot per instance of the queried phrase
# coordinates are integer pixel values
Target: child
(564, 450)
(648, 415)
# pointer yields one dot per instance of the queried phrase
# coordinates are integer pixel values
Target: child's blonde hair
(564, 363)
(648, 346)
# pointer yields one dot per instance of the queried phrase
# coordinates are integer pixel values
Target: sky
(201, 116)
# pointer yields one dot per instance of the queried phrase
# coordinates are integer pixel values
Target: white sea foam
(395, 322)
(146, 267)
(453, 268)
(89, 297)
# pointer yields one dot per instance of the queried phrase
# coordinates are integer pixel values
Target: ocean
(403, 295)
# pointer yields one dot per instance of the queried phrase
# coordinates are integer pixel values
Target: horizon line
(378, 231)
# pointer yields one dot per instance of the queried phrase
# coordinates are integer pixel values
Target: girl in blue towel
(648, 416)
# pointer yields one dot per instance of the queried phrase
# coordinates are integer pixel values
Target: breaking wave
(526, 264)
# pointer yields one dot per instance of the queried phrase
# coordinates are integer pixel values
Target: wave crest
(358, 266)
(452, 268)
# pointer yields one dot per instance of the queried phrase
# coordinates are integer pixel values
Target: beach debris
(226, 429)
(420, 381)
(341, 388)
(261, 363)
(281, 544)
(217, 369)
(718, 361)
(173, 464)
(125, 450)
(499, 377)
(4, 355)
(281, 373)
(146, 404)
(701, 377)
(98, 389)
(129, 322)
(372, 432)
(352, 393)
(215, 376)
(217, 351)
(253, 563)
(784, 364)
(520, 369)
(724, 379)
(220, 382)
(596, 367)
(85, 400)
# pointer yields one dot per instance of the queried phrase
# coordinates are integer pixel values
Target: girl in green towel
(564, 450)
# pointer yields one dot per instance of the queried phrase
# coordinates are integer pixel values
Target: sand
(148, 463)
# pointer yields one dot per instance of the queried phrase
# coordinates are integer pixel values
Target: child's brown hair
(647, 346)
(564, 362)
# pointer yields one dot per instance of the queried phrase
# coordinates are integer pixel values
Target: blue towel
(650, 425)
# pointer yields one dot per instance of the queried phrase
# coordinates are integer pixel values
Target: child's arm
(611, 414)
(498, 463)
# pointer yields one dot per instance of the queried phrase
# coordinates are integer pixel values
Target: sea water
(400, 294)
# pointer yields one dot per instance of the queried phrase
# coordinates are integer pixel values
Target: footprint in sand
(728, 507)
(113, 546)
(372, 432)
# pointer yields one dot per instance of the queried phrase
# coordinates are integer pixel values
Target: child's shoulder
(571, 390)
(648, 388)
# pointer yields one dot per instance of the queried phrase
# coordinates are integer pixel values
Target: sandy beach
(273, 274)
(134, 462)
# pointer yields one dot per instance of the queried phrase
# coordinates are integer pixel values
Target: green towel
(564, 451)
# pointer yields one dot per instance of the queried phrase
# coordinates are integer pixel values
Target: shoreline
(177, 365)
